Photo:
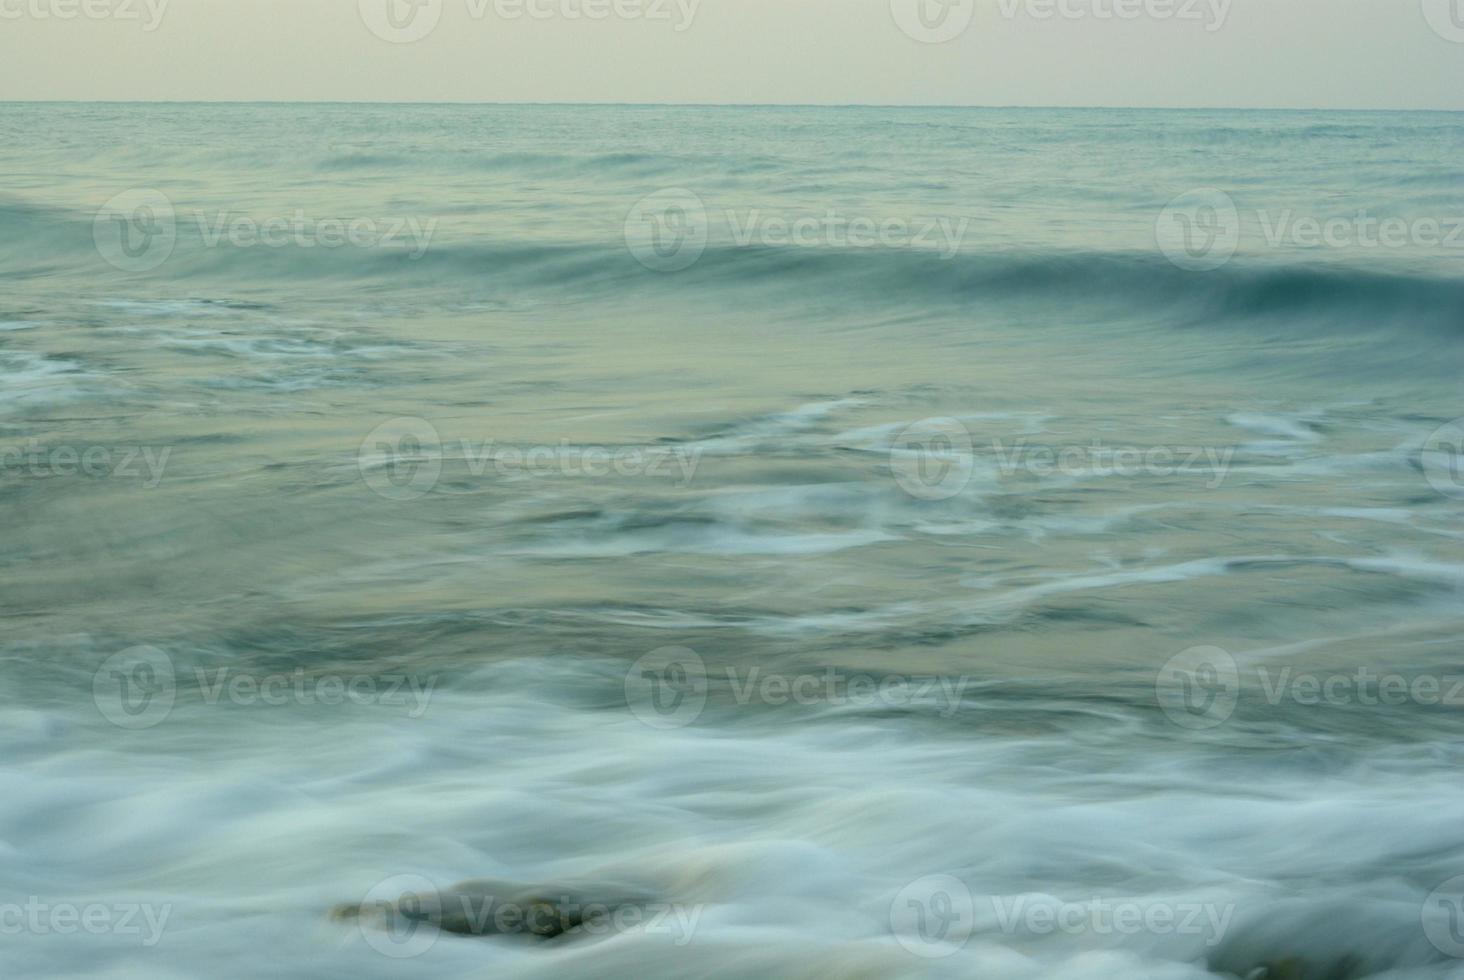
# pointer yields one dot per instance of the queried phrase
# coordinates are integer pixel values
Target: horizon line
(727, 105)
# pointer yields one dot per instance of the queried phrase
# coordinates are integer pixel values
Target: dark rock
(488, 907)
(1346, 968)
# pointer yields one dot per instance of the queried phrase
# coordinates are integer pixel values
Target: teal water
(550, 434)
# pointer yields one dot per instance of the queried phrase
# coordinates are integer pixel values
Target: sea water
(901, 542)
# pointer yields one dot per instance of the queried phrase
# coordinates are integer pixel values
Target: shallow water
(829, 592)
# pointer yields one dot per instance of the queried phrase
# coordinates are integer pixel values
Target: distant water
(795, 513)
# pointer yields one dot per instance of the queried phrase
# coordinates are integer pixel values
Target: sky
(1357, 54)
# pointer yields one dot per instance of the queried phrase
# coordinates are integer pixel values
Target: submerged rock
(1346, 968)
(489, 907)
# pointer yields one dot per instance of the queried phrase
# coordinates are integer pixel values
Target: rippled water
(936, 587)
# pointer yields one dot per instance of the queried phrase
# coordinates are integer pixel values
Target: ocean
(781, 542)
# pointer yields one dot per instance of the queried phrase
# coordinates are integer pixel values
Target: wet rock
(1284, 970)
(490, 907)
(1346, 968)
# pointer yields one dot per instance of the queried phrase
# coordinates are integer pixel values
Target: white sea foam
(29, 380)
(790, 854)
(795, 835)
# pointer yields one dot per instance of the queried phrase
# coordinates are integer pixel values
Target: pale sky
(1244, 53)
